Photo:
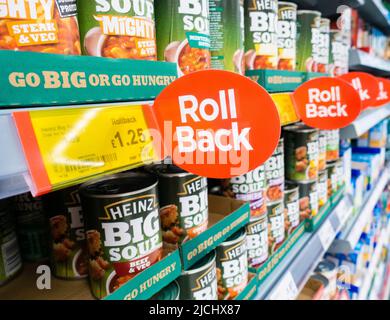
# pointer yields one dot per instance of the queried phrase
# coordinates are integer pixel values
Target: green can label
(183, 34)
(227, 35)
(308, 199)
(184, 207)
(261, 39)
(118, 29)
(308, 40)
(275, 225)
(274, 173)
(232, 267)
(287, 35)
(257, 241)
(291, 208)
(251, 187)
(322, 188)
(332, 178)
(301, 153)
(332, 145)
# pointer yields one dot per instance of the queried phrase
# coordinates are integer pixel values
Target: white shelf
(349, 237)
(374, 12)
(290, 276)
(369, 274)
(368, 119)
(362, 61)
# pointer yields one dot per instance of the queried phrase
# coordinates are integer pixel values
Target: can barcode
(11, 257)
(105, 158)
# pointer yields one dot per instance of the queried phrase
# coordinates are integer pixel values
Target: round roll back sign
(216, 124)
(327, 103)
(366, 85)
(384, 92)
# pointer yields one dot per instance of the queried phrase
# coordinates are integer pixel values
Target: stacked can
(322, 172)
(32, 227)
(261, 38)
(301, 158)
(252, 187)
(274, 173)
(227, 35)
(291, 207)
(322, 63)
(332, 161)
(308, 35)
(287, 34)
(232, 266)
(10, 260)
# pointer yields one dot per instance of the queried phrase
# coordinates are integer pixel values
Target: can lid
(285, 3)
(168, 170)
(202, 264)
(325, 266)
(309, 11)
(118, 184)
(170, 292)
(235, 237)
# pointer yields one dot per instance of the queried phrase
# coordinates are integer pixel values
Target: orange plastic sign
(327, 103)
(216, 124)
(366, 85)
(384, 92)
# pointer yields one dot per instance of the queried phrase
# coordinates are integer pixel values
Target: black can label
(322, 188)
(332, 178)
(232, 268)
(68, 252)
(274, 173)
(257, 241)
(322, 150)
(184, 207)
(287, 35)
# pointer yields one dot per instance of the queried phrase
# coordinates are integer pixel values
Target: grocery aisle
(91, 206)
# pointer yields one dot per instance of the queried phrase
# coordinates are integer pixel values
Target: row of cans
(200, 34)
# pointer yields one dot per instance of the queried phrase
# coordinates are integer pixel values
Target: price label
(286, 289)
(64, 147)
(326, 234)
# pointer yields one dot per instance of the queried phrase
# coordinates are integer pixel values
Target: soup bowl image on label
(327, 103)
(209, 124)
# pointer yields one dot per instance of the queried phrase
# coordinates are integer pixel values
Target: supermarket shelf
(327, 8)
(369, 274)
(363, 61)
(290, 276)
(349, 237)
(366, 121)
(374, 12)
(24, 287)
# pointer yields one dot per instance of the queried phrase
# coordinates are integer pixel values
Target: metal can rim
(309, 11)
(84, 192)
(241, 234)
(210, 258)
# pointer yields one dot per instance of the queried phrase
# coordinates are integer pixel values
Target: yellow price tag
(285, 107)
(75, 144)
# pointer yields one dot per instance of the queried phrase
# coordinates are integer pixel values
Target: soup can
(274, 174)
(66, 222)
(227, 35)
(183, 34)
(287, 35)
(301, 153)
(332, 145)
(10, 259)
(183, 204)
(322, 188)
(261, 38)
(170, 292)
(41, 26)
(308, 199)
(291, 207)
(308, 36)
(232, 266)
(322, 150)
(332, 178)
(118, 29)
(257, 241)
(322, 64)
(275, 225)
(200, 281)
(122, 226)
